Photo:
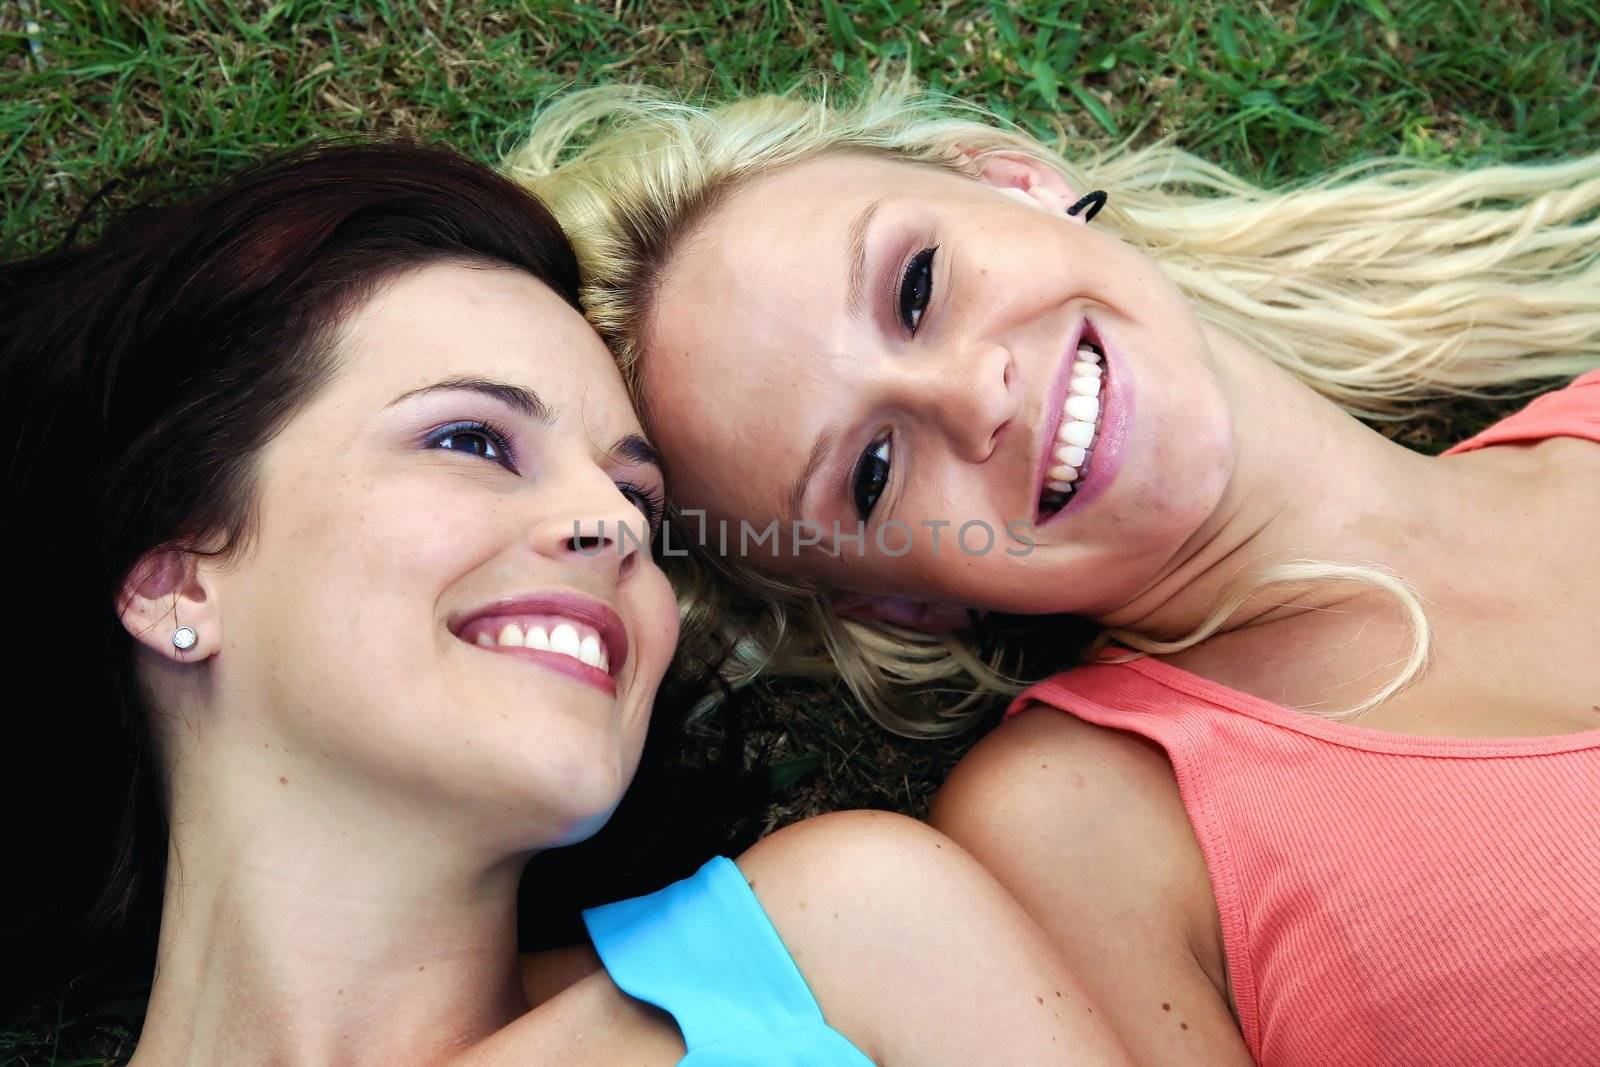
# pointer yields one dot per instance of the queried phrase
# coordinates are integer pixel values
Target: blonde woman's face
(855, 339)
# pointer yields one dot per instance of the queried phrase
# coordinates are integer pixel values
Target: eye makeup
(497, 442)
(916, 290)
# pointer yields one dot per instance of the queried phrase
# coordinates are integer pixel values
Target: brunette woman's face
(438, 602)
(854, 338)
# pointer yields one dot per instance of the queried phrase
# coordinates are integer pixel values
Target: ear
(164, 591)
(1020, 175)
(929, 616)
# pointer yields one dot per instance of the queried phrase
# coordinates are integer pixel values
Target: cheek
(655, 609)
(401, 537)
(351, 571)
(1191, 458)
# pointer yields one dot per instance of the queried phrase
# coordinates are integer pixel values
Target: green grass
(1273, 91)
(154, 91)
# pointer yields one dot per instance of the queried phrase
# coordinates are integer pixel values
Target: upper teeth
(1080, 414)
(573, 639)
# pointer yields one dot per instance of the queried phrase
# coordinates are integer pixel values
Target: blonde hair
(1383, 286)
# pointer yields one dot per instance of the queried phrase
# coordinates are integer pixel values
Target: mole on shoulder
(1166, 1007)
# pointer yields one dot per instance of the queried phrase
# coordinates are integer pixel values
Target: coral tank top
(1386, 899)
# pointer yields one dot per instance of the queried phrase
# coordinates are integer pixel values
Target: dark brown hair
(140, 375)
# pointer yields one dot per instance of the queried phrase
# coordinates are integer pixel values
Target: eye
(474, 439)
(649, 501)
(916, 288)
(872, 475)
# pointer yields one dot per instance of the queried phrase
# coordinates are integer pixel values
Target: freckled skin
(1088, 830)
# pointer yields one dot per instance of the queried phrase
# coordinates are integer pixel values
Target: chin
(578, 798)
(581, 829)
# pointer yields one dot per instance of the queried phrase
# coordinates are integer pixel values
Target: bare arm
(552, 971)
(914, 952)
(1085, 827)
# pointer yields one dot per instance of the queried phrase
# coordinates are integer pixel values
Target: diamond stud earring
(184, 638)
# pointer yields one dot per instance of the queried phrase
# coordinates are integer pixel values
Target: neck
(302, 924)
(1310, 483)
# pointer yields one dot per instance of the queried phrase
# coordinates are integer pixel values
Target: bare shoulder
(837, 886)
(1103, 797)
(1085, 826)
(916, 952)
(840, 886)
(840, 854)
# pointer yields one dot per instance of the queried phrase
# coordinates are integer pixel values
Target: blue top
(704, 951)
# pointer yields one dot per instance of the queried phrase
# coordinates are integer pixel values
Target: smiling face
(855, 338)
(415, 615)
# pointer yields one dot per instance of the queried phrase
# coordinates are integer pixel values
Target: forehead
(450, 320)
(796, 218)
(750, 340)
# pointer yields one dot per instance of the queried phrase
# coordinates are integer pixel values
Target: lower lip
(1116, 418)
(560, 664)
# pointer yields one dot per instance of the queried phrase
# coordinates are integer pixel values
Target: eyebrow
(855, 296)
(523, 401)
(797, 492)
(635, 449)
(631, 448)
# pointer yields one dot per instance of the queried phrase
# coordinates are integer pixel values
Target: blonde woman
(1327, 794)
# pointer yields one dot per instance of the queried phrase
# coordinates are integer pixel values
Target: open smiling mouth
(571, 635)
(1072, 448)
(563, 637)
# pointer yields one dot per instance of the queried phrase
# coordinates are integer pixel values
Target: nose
(969, 393)
(596, 528)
